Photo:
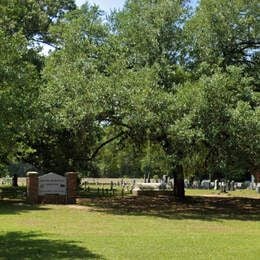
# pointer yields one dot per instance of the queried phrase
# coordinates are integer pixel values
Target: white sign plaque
(52, 183)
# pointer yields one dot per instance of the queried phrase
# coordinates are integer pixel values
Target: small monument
(216, 185)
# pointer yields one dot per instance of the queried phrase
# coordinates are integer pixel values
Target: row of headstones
(216, 185)
(206, 184)
(223, 185)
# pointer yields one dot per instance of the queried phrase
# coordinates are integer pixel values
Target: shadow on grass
(9, 207)
(193, 207)
(21, 245)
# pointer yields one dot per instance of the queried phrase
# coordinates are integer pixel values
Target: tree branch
(249, 43)
(47, 43)
(103, 144)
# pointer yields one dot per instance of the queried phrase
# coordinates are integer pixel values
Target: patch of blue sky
(108, 5)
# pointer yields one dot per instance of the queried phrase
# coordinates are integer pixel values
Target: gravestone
(239, 185)
(252, 184)
(223, 186)
(165, 179)
(216, 185)
(205, 184)
(195, 184)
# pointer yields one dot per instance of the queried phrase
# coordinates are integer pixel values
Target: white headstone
(215, 184)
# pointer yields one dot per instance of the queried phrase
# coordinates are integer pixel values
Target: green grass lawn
(132, 228)
(237, 193)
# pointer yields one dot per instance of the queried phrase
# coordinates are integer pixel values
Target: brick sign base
(33, 196)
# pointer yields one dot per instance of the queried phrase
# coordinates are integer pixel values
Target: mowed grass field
(244, 193)
(132, 228)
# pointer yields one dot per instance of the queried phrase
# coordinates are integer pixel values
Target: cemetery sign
(52, 183)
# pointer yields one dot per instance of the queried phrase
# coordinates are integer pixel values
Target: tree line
(155, 88)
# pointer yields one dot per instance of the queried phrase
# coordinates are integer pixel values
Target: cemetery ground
(201, 227)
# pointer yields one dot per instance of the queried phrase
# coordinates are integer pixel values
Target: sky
(107, 5)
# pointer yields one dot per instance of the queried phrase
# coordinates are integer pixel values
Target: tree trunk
(178, 188)
(178, 175)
